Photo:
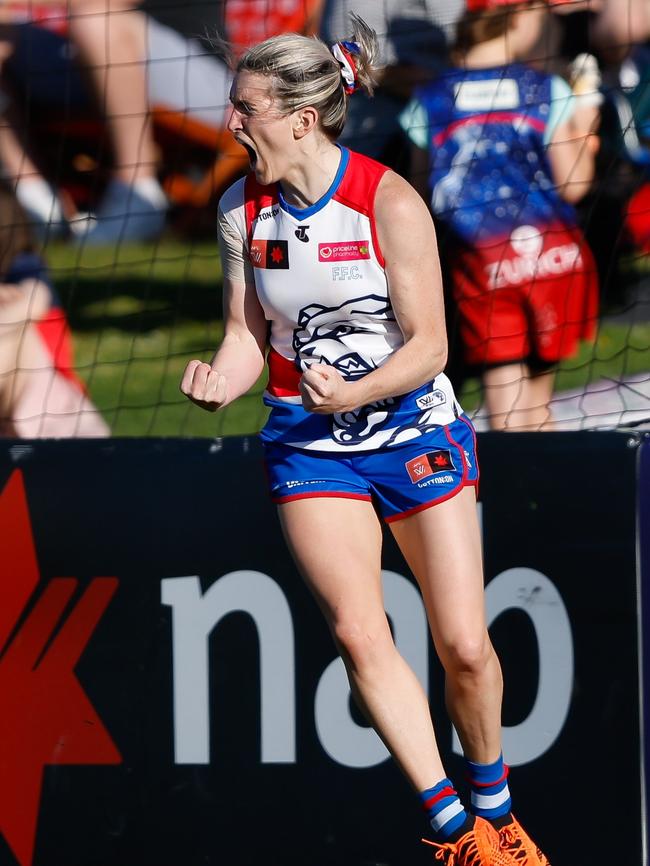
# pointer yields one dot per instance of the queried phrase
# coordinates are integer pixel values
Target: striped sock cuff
(490, 794)
(444, 810)
(491, 805)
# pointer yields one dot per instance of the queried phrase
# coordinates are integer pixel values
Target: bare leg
(13, 329)
(35, 398)
(517, 400)
(111, 38)
(348, 589)
(36, 196)
(15, 159)
(442, 546)
(539, 395)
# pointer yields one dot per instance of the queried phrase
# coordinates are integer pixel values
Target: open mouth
(252, 155)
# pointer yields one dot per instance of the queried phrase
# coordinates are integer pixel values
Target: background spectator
(413, 38)
(145, 80)
(500, 149)
(247, 22)
(40, 394)
(615, 215)
(242, 23)
(109, 37)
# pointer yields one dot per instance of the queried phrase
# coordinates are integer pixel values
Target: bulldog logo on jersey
(270, 254)
(325, 335)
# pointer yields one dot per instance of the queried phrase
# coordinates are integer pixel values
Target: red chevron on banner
(46, 716)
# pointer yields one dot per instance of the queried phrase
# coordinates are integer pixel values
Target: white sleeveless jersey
(320, 278)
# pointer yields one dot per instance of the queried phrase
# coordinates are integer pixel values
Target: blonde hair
(304, 72)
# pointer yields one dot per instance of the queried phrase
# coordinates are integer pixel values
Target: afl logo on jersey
(270, 254)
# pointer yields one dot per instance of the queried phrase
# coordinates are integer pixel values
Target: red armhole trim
(373, 228)
(256, 197)
(358, 190)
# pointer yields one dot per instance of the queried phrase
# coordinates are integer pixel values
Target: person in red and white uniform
(330, 261)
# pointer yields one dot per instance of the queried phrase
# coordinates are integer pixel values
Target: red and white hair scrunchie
(345, 53)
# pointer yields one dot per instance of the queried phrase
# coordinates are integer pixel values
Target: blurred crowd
(113, 129)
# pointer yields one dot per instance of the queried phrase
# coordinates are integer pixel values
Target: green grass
(140, 313)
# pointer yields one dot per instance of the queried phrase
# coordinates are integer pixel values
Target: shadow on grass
(136, 305)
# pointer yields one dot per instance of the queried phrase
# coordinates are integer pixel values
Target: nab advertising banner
(169, 693)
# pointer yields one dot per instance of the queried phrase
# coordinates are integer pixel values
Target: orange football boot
(480, 846)
(521, 848)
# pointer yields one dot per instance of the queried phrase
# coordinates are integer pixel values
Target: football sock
(38, 199)
(490, 793)
(151, 191)
(446, 814)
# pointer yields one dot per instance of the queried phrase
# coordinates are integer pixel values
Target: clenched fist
(324, 391)
(204, 386)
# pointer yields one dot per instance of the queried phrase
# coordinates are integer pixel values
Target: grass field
(140, 313)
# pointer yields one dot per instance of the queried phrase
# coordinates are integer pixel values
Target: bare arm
(407, 239)
(619, 26)
(21, 353)
(24, 302)
(238, 362)
(572, 153)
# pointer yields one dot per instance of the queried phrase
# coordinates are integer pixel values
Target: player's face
(259, 125)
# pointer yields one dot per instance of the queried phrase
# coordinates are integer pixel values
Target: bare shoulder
(400, 211)
(396, 191)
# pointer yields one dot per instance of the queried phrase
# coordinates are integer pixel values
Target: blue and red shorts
(400, 480)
